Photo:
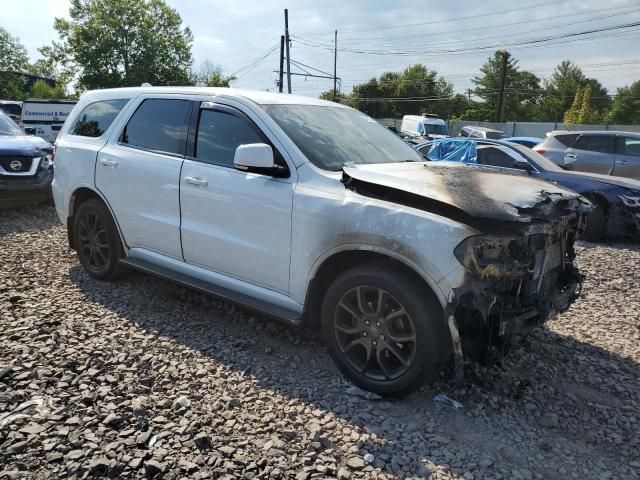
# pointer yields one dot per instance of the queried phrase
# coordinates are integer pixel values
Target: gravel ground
(142, 378)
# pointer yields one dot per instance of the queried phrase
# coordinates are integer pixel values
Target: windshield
(8, 126)
(332, 137)
(436, 129)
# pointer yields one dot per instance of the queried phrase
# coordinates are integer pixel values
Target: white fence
(520, 129)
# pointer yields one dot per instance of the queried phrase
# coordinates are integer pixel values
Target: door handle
(623, 162)
(198, 182)
(570, 155)
(108, 163)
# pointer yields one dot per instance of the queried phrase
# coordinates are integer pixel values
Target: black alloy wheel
(374, 332)
(97, 241)
(384, 328)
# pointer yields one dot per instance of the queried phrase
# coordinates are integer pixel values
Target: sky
(453, 37)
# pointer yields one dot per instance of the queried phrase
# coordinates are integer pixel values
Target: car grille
(546, 260)
(8, 163)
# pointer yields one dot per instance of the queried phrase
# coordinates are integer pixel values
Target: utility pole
(286, 39)
(469, 92)
(280, 72)
(335, 65)
(503, 81)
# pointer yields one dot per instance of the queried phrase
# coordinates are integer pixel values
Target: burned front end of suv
(517, 277)
(518, 268)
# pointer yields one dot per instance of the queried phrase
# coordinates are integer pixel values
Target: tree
(573, 113)
(522, 89)
(587, 113)
(117, 43)
(625, 108)
(414, 91)
(13, 54)
(13, 58)
(210, 74)
(339, 97)
(562, 87)
(41, 89)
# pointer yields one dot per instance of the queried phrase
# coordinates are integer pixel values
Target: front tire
(384, 330)
(593, 225)
(97, 241)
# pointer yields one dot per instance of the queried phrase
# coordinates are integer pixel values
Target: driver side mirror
(522, 165)
(257, 158)
(29, 130)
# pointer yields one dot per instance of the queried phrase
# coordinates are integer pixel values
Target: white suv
(314, 213)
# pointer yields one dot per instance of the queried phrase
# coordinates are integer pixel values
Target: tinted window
(567, 139)
(495, 157)
(628, 146)
(96, 118)
(11, 109)
(494, 135)
(595, 143)
(464, 133)
(220, 133)
(158, 124)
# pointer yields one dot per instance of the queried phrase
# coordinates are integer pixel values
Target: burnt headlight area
(493, 256)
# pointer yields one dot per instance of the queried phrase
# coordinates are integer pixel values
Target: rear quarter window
(566, 139)
(96, 118)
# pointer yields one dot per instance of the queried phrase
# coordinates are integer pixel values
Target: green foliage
(339, 98)
(210, 74)
(582, 111)
(432, 94)
(41, 89)
(117, 43)
(522, 89)
(13, 54)
(625, 108)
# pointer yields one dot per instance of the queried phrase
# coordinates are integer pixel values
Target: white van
(45, 116)
(429, 126)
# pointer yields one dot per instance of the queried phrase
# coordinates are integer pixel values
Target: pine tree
(571, 115)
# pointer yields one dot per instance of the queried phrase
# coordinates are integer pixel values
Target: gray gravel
(145, 379)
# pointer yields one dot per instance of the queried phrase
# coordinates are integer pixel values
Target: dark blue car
(616, 200)
(26, 166)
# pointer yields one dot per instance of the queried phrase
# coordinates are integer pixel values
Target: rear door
(138, 171)
(234, 223)
(627, 162)
(591, 153)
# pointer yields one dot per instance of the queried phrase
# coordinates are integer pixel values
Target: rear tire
(384, 331)
(594, 224)
(97, 241)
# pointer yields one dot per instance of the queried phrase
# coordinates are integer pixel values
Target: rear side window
(595, 143)
(159, 125)
(220, 133)
(567, 139)
(628, 146)
(96, 118)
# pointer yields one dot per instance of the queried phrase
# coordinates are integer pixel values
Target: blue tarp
(453, 150)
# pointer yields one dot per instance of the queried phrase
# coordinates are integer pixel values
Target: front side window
(220, 133)
(628, 146)
(96, 118)
(595, 143)
(159, 125)
(334, 137)
(494, 156)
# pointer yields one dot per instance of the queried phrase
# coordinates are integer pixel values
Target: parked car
(605, 152)
(616, 200)
(316, 214)
(45, 116)
(480, 132)
(428, 126)
(526, 141)
(26, 166)
(12, 108)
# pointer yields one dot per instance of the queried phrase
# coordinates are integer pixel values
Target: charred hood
(465, 194)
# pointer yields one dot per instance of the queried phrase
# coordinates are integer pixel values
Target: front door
(233, 222)
(139, 174)
(591, 152)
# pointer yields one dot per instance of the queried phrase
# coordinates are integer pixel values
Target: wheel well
(597, 198)
(341, 262)
(78, 197)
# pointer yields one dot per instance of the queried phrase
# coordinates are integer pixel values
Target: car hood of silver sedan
(464, 193)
